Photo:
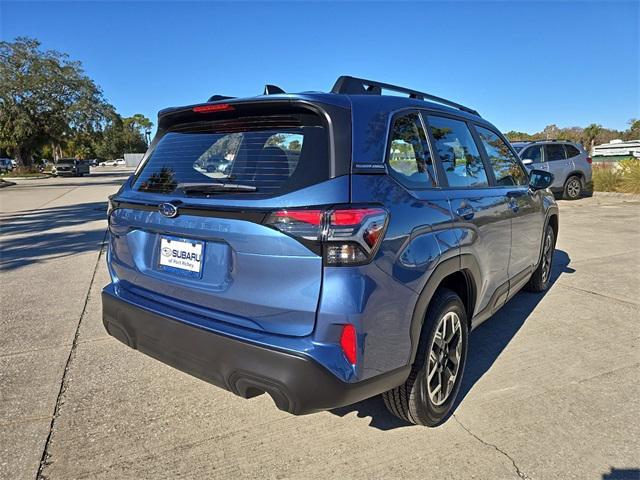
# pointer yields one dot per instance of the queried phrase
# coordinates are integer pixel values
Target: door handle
(466, 212)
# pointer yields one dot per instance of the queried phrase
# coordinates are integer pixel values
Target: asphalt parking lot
(552, 385)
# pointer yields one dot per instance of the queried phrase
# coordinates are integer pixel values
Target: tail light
(589, 161)
(347, 236)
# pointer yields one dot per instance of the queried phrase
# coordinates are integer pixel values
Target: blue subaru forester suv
(325, 247)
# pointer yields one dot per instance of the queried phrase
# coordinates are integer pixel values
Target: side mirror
(540, 179)
(527, 162)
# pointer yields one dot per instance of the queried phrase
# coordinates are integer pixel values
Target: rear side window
(409, 156)
(266, 155)
(571, 151)
(458, 153)
(505, 167)
(554, 151)
(533, 153)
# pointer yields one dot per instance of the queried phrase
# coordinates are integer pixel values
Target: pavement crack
(597, 294)
(44, 460)
(519, 472)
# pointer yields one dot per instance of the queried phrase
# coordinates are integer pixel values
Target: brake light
(313, 217)
(589, 161)
(348, 236)
(349, 343)
(220, 107)
(351, 216)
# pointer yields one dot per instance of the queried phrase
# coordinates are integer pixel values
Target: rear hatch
(190, 231)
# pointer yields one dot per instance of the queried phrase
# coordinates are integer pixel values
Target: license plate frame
(172, 264)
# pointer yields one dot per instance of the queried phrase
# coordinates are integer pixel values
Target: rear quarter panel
(379, 298)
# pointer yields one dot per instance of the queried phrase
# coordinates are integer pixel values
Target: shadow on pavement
(622, 474)
(31, 236)
(486, 343)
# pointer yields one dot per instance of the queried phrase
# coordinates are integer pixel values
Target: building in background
(616, 150)
(133, 159)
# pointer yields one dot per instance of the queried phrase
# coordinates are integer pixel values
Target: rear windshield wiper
(216, 187)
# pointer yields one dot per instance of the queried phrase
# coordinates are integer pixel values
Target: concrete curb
(39, 177)
(627, 196)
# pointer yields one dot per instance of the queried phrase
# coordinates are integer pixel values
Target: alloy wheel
(445, 354)
(573, 188)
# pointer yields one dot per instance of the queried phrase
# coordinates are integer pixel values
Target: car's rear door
(556, 159)
(191, 232)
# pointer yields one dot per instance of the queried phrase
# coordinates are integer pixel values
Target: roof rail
(215, 98)
(360, 86)
(272, 89)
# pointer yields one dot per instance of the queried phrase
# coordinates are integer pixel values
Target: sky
(523, 65)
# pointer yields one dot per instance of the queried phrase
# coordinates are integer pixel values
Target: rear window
(571, 151)
(265, 155)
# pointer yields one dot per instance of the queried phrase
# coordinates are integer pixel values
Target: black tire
(411, 401)
(573, 188)
(539, 281)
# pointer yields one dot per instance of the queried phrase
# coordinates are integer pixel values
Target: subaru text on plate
(346, 249)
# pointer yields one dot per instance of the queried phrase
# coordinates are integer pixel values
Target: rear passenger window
(409, 156)
(533, 153)
(505, 167)
(458, 153)
(554, 152)
(571, 151)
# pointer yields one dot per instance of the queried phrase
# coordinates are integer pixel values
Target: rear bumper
(297, 383)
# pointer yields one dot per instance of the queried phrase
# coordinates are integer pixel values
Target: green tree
(551, 132)
(122, 135)
(295, 145)
(44, 96)
(514, 136)
(633, 133)
(589, 136)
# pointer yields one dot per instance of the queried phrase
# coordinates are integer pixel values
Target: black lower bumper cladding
(297, 384)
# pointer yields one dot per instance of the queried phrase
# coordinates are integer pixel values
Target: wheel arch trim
(465, 264)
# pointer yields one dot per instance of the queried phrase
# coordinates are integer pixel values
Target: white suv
(568, 161)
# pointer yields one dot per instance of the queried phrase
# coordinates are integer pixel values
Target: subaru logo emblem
(168, 210)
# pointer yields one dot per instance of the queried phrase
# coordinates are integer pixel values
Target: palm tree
(589, 135)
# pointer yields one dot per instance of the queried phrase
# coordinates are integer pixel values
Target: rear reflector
(221, 107)
(589, 161)
(348, 343)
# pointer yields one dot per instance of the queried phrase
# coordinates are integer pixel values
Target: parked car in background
(71, 167)
(42, 164)
(120, 162)
(107, 163)
(6, 165)
(568, 161)
(93, 162)
(347, 251)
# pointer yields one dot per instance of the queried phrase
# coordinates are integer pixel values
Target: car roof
(349, 92)
(383, 102)
(534, 142)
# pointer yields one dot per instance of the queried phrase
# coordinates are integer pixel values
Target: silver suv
(568, 161)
